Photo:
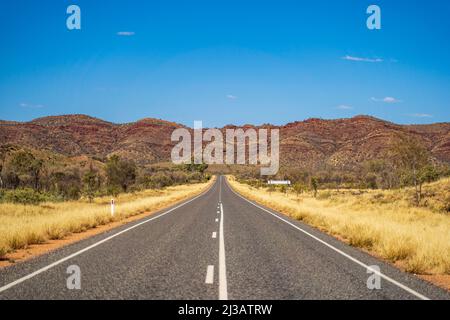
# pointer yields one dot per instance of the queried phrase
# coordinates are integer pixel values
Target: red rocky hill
(342, 143)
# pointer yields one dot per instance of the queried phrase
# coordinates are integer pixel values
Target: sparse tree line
(406, 163)
(24, 178)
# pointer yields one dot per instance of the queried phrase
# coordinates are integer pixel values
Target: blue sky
(226, 61)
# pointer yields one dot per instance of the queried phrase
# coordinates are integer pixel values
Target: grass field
(383, 222)
(24, 225)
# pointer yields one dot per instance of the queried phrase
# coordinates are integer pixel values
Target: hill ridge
(338, 142)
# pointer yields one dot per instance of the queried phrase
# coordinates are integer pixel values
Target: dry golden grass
(24, 225)
(382, 222)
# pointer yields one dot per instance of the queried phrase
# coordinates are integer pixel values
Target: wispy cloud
(362, 59)
(125, 33)
(421, 115)
(231, 97)
(344, 107)
(31, 106)
(386, 100)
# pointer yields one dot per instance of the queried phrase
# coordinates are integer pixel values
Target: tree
(379, 173)
(426, 174)
(121, 173)
(271, 188)
(192, 167)
(12, 180)
(26, 166)
(371, 181)
(314, 185)
(66, 184)
(1, 178)
(91, 183)
(413, 162)
(299, 188)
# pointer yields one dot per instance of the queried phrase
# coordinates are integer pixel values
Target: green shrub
(299, 188)
(160, 180)
(195, 177)
(72, 193)
(25, 196)
(114, 190)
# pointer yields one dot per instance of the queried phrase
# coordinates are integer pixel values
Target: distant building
(279, 182)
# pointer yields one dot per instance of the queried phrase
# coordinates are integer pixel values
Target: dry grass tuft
(383, 222)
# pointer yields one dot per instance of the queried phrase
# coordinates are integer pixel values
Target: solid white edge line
(209, 275)
(54, 264)
(223, 291)
(387, 278)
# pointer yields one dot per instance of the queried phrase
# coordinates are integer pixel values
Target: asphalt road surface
(215, 246)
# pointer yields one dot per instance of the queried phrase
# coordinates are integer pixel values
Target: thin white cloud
(361, 59)
(31, 106)
(421, 115)
(231, 97)
(344, 107)
(125, 33)
(386, 100)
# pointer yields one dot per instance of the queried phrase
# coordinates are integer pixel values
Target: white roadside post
(112, 207)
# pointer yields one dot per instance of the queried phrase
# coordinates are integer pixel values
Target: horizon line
(12, 122)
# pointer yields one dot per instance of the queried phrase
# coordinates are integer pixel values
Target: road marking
(220, 188)
(223, 291)
(217, 220)
(209, 275)
(73, 255)
(362, 264)
(214, 235)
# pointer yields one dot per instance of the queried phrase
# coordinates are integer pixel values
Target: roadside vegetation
(396, 206)
(404, 163)
(32, 177)
(45, 196)
(387, 223)
(22, 225)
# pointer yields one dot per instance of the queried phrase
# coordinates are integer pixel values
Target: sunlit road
(215, 246)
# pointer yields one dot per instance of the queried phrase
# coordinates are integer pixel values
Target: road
(215, 246)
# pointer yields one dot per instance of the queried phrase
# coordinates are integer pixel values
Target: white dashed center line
(223, 290)
(209, 275)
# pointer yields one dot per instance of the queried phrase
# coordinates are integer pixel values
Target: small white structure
(279, 182)
(113, 205)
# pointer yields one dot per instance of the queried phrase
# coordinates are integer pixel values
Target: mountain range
(340, 143)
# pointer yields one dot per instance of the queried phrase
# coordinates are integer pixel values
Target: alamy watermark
(374, 280)
(73, 282)
(73, 21)
(231, 150)
(374, 20)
